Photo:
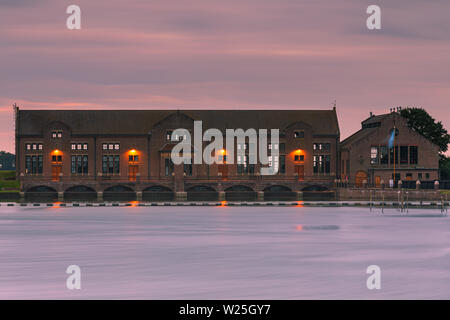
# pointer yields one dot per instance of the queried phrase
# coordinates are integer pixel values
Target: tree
(444, 168)
(7, 161)
(420, 121)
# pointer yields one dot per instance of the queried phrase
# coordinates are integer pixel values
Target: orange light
(133, 151)
(299, 227)
(299, 151)
(134, 204)
(56, 205)
(223, 152)
(56, 151)
(223, 203)
(299, 204)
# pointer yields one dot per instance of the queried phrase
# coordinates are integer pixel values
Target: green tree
(444, 168)
(7, 161)
(421, 122)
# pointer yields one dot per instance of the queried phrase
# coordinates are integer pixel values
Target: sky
(234, 54)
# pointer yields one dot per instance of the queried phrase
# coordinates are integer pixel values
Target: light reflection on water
(222, 252)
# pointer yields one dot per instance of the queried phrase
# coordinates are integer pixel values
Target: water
(222, 253)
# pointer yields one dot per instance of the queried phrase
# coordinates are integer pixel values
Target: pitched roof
(33, 122)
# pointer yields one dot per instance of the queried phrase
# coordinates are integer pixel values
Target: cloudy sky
(238, 54)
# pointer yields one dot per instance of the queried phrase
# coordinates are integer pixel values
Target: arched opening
(360, 177)
(279, 193)
(119, 193)
(315, 188)
(80, 193)
(318, 193)
(202, 193)
(158, 193)
(240, 193)
(41, 193)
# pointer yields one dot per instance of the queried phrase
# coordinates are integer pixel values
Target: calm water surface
(222, 253)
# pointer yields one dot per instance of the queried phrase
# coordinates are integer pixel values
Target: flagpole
(394, 153)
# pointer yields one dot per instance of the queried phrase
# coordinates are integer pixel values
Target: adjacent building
(107, 151)
(385, 149)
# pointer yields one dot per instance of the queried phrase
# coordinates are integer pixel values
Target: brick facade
(46, 158)
(361, 153)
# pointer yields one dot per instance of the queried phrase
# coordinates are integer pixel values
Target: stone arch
(279, 193)
(315, 188)
(240, 193)
(80, 192)
(202, 193)
(41, 193)
(158, 193)
(119, 193)
(277, 188)
(317, 193)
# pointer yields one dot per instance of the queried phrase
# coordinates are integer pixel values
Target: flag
(391, 138)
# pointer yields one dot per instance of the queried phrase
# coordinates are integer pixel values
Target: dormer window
(299, 134)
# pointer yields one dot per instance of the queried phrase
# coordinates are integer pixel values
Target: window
(133, 158)
(384, 156)
(111, 164)
(409, 176)
(327, 168)
(282, 147)
(374, 155)
(222, 158)
(169, 135)
(33, 164)
(282, 164)
(393, 156)
(168, 167)
(403, 154)
(33, 146)
(274, 162)
(322, 146)
(315, 164)
(243, 167)
(427, 176)
(79, 146)
(419, 176)
(299, 134)
(57, 158)
(321, 164)
(79, 164)
(188, 169)
(57, 134)
(299, 157)
(106, 146)
(413, 155)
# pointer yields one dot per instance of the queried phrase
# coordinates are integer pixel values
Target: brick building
(100, 152)
(368, 156)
